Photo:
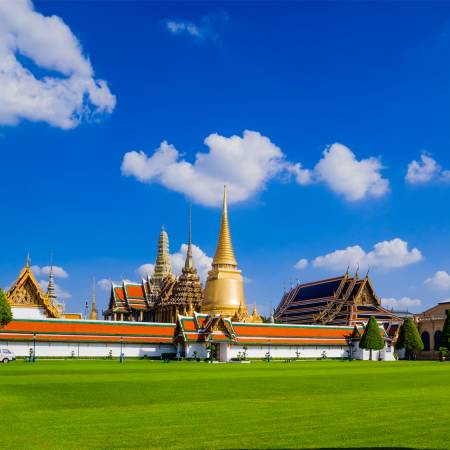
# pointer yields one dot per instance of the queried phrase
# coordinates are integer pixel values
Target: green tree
(445, 336)
(5, 310)
(409, 339)
(371, 338)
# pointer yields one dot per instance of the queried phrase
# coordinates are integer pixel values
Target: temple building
(29, 301)
(165, 316)
(162, 296)
(345, 300)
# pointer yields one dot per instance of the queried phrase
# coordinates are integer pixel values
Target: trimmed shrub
(372, 339)
(409, 339)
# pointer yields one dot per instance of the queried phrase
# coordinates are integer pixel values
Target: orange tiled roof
(80, 330)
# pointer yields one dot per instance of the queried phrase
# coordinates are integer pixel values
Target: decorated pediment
(26, 292)
(219, 325)
(367, 295)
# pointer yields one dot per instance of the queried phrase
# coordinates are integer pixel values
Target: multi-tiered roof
(161, 296)
(345, 300)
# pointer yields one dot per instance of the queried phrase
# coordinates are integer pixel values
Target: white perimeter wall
(83, 349)
(226, 352)
(285, 351)
(387, 354)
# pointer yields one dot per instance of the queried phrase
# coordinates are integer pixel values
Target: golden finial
(189, 263)
(224, 251)
(28, 261)
(94, 313)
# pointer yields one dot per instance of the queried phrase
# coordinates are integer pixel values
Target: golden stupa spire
(189, 263)
(94, 313)
(224, 251)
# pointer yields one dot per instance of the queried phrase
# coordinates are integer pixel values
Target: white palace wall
(286, 351)
(84, 349)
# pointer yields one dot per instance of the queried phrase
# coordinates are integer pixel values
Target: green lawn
(103, 404)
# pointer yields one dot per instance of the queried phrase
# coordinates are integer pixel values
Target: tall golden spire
(189, 263)
(93, 314)
(224, 289)
(224, 251)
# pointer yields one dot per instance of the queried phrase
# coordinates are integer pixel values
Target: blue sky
(339, 100)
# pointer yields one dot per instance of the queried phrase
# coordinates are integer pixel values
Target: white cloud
(347, 176)
(301, 264)
(58, 271)
(401, 304)
(440, 280)
(62, 100)
(422, 171)
(202, 261)
(185, 27)
(245, 164)
(61, 293)
(386, 254)
(145, 269)
(104, 284)
(202, 31)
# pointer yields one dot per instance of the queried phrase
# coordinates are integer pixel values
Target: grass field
(103, 404)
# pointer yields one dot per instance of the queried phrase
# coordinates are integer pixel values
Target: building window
(437, 339)
(426, 341)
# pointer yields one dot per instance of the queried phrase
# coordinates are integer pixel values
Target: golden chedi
(224, 290)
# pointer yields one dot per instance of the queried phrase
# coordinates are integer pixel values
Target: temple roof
(344, 300)
(318, 289)
(206, 328)
(26, 292)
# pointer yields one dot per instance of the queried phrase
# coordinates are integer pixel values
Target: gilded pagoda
(162, 296)
(159, 297)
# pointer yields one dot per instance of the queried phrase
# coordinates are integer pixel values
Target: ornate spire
(224, 251)
(51, 292)
(163, 266)
(255, 317)
(28, 261)
(188, 289)
(93, 314)
(189, 263)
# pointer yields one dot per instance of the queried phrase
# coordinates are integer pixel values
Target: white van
(6, 355)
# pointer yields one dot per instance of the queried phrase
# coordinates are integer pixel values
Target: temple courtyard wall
(86, 350)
